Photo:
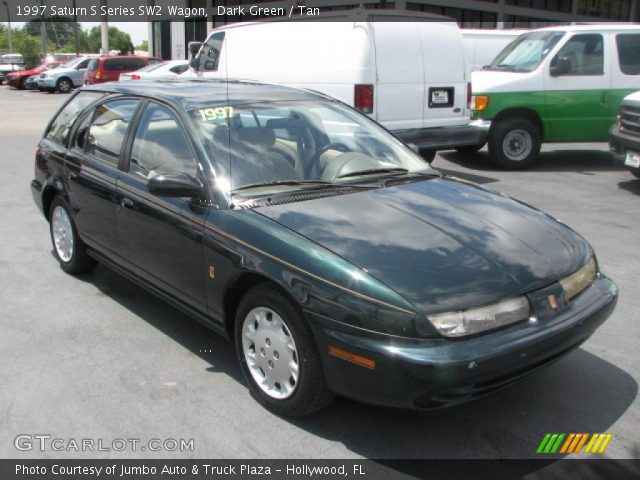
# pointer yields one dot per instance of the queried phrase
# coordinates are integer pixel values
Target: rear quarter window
(58, 130)
(629, 53)
(123, 64)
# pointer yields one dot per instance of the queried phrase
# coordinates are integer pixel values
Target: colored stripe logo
(574, 443)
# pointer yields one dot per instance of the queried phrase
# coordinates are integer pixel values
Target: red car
(108, 69)
(18, 79)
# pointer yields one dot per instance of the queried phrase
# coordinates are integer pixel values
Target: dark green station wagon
(336, 259)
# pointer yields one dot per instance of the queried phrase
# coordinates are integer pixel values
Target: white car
(157, 70)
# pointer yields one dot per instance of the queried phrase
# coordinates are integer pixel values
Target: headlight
(577, 282)
(476, 320)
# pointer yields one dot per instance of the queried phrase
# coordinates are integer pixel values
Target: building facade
(169, 39)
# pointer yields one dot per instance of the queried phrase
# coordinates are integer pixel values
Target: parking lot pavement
(97, 357)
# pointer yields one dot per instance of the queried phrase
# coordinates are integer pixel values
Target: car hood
(442, 244)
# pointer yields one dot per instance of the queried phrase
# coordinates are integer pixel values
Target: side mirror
(194, 48)
(561, 66)
(175, 185)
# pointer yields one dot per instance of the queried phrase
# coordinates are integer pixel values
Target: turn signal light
(480, 102)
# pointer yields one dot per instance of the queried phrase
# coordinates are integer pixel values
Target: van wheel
(428, 155)
(70, 251)
(469, 148)
(278, 355)
(64, 85)
(514, 143)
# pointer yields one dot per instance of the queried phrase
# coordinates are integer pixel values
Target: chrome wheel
(270, 352)
(62, 234)
(517, 145)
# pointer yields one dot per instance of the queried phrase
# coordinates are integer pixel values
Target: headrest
(258, 136)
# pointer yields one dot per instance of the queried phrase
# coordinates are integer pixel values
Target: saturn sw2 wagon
(333, 256)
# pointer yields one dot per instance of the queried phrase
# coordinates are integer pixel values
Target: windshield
(526, 52)
(273, 147)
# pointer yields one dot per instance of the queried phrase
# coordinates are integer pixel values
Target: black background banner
(320, 469)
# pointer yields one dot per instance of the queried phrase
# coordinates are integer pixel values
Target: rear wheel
(469, 148)
(64, 85)
(278, 354)
(70, 251)
(514, 143)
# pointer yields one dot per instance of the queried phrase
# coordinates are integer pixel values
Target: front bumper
(433, 373)
(47, 82)
(620, 143)
(445, 138)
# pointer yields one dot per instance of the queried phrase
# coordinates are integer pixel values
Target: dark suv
(624, 141)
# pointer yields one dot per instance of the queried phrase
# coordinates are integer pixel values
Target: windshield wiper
(280, 183)
(374, 171)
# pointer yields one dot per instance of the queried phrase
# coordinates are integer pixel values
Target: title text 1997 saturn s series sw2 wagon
(333, 255)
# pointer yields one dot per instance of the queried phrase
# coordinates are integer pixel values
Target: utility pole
(9, 20)
(104, 27)
(75, 29)
(43, 32)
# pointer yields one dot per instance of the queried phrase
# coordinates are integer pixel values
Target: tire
(636, 173)
(469, 148)
(514, 143)
(51, 90)
(428, 155)
(64, 85)
(70, 251)
(22, 85)
(269, 316)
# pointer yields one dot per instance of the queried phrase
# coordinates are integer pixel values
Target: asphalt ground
(97, 357)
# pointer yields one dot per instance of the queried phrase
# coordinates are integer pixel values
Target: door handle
(126, 202)
(72, 175)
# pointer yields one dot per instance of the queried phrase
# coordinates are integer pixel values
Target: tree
(118, 40)
(144, 46)
(60, 30)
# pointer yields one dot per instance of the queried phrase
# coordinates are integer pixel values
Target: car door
(160, 237)
(95, 153)
(77, 76)
(577, 100)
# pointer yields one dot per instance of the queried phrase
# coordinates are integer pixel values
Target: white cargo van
(482, 45)
(556, 84)
(410, 76)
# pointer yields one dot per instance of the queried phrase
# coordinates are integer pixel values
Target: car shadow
(580, 393)
(583, 161)
(632, 185)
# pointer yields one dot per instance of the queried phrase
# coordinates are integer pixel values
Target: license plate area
(441, 97)
(632, 159)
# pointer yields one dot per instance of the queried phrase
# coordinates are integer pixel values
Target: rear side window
(629, 53)
(123, 64)
(584, 53)
(58, 130)
(108, 129)
(161, 146)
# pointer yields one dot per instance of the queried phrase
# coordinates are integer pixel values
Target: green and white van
(559, 84)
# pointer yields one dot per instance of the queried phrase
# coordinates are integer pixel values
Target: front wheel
(278, 354)
(64, 85)
(70, 251)
(514, 143)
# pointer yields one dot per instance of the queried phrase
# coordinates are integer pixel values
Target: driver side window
(584, 54)
(160, 146)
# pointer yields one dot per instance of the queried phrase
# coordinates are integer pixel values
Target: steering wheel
(329, 146)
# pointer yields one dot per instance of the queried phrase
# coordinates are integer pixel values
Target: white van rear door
(399, 90)
(445, 88)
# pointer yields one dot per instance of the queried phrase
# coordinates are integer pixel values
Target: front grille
(630, 119)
